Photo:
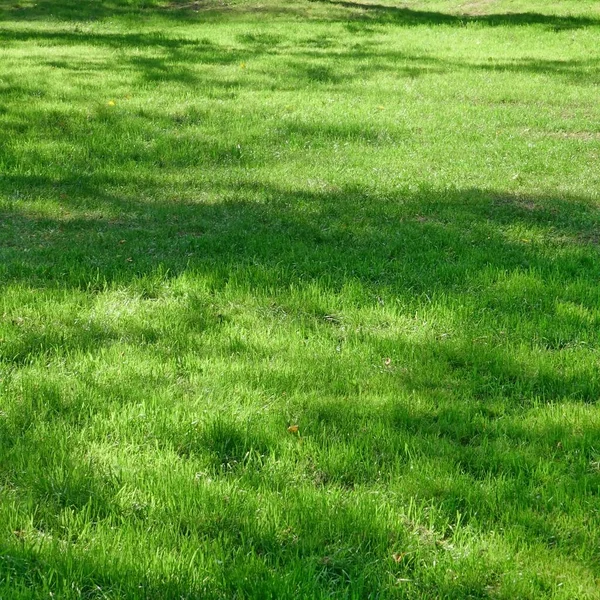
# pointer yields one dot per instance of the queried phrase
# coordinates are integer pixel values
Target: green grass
(377, 223)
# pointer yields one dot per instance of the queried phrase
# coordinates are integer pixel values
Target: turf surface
(299, 299)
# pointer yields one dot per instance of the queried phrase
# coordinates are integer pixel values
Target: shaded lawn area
(375, 224)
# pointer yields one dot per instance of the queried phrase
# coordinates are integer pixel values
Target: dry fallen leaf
(293, 428)
(398, 556)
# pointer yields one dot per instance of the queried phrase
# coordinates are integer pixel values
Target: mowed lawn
(299, 299)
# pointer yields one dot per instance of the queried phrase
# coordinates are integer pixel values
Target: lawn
(299, 299)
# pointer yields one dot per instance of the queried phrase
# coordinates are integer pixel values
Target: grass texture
(299, 299)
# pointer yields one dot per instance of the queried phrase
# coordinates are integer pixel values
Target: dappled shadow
(357, 12)
(404, 247)
(401, 249)
(489, 476)
(69, 37)
(66, 10)
(382, 13)
(180, 59)
(513, 274)
(581, 72)
(175, 11)
(288, 545)
(343, 233)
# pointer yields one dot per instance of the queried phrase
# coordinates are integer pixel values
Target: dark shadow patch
(381, 13)
(229, 446)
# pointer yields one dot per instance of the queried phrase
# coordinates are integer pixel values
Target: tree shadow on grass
(489, 480)
(66, 10)
(485, 480)
(351, 232)
(299, 551)
(362, 14)
(399, 249)
(385, 14)
(457, 247)
(179, 60)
